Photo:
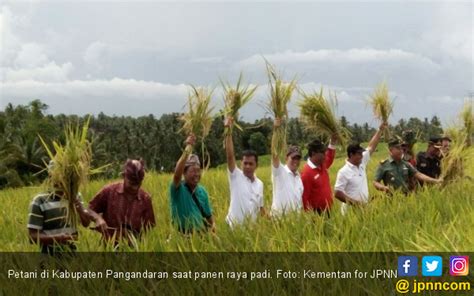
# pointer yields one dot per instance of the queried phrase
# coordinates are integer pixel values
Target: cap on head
(293, 151)
(395, 142)
(446, 138)
(193, 160)
(134, 170)
(435, 142)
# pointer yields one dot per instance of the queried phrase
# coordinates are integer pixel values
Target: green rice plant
(451, 132)
(467, 116)
(381, 225)
(453, 163)
(281, 93)
(319, 116)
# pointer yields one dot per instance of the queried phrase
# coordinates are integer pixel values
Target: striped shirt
(48, 213)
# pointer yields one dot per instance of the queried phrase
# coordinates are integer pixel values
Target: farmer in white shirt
(351, 183)
(246, 190)
(287, 184)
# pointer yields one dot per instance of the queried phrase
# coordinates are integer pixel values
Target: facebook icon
(407, 266)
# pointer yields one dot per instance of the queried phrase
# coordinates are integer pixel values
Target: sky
(139, 57)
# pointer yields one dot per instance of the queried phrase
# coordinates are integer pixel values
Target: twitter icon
(432, 266)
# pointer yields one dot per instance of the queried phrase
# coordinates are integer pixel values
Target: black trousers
(322, 212)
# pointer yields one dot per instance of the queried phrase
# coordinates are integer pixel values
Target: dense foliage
(157, 140)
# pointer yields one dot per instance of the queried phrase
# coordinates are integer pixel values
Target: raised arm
(331, 151)
(275, 154)
(376, 138)
(229, 146)
(179, 170)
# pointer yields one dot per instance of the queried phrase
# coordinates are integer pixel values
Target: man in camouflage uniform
(395, 173)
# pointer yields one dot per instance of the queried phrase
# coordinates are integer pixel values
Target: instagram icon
(459, 265)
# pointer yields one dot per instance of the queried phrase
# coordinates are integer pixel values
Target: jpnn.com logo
(432, 266)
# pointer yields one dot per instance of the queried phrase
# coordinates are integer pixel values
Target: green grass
(433, 219)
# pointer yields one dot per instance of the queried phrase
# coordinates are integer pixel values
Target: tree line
(157, 140)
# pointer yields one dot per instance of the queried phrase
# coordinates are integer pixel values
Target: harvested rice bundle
(280, 95)
(453, 163)
(70, 166)
(381, 104)
(451, 132)
(467, 116)
(319, 116)
(198, 119)
(234, 100)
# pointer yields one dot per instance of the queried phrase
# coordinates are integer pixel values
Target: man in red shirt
(125, 207)
(317, 194)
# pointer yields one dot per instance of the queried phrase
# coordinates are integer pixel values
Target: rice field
(433, 219)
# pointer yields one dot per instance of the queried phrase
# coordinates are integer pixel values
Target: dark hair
(316, 146)
(353, 149)
(249, 153)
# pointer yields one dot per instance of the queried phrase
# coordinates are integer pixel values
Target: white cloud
(94, 54)
(31, 55)
(26, 60)
(343, 57)
(443, 99)
(50, 72)
(9, 42)
(77, 90)
(207, 60)
(344, 94)
(424, 57)
(115, 96)
(453, 31)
